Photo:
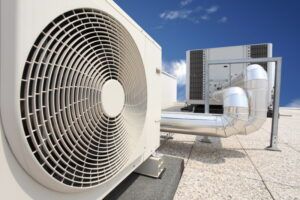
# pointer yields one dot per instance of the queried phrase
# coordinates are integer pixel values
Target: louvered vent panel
(259, 51)
(63, 121)
(196, 75)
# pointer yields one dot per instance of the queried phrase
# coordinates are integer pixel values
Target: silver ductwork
(245, 109)
(234, 119)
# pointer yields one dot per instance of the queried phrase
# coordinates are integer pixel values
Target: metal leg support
(206, 139)
(153, 166)
(274, 134)
(167, 136)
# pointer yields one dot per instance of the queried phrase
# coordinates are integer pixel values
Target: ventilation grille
(196, 75)
(66, 129)
(259, 51)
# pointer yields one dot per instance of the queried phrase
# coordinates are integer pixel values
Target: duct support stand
(152, 167)
(275, 119)
(275, 148)
(206, 140)
(167, 136)
(278, 65)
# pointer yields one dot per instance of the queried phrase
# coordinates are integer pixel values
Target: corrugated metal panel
(196, 74)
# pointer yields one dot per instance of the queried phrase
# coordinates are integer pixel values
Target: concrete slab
(290, 129)
(283, 192)
(179, 147)
(227, 161)
(239, 167)
(278, 167)
(196, 184)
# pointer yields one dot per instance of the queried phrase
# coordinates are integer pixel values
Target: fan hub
(112, 98)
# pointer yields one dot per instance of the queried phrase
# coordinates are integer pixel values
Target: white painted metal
(187, 77)
(131, 134)
(271, 76)
(244, 113)
(169, 90)
(222, 74)
(153, 166)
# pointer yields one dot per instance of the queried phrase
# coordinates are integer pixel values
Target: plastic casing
(21, 23)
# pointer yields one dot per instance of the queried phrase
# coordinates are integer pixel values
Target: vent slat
(66, 129)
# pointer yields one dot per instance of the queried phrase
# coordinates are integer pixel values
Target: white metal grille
(64, 124)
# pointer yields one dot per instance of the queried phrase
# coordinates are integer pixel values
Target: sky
(180, 25)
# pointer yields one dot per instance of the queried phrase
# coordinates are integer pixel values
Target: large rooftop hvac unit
(80, 105)
(221, 75)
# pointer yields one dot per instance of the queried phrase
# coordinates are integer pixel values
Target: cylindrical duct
(244, 112)
(256, 84)
(230, 123)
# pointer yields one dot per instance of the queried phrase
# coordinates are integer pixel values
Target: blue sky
(179, 25)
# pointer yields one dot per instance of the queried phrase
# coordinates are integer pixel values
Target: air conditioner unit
(221, 75)
(169, 90)
(80, 98)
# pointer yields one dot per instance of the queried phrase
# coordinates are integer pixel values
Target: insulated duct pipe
(244, 112)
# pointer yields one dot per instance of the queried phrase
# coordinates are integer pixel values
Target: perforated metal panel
(196, 74)
(64, 124)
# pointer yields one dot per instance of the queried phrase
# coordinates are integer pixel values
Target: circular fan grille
(62, 115)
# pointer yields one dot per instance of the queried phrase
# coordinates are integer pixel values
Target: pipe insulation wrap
(256, 84)
(245, 109)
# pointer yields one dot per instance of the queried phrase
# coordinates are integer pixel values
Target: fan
(83, 98)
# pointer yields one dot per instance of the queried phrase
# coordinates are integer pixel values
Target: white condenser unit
(169, 90)
(80, 98)
(220, 76)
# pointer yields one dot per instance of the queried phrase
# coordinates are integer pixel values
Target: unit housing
(169, 90)
(220, 76)
(80, 98)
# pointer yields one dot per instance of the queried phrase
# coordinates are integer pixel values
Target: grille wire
(63, 122)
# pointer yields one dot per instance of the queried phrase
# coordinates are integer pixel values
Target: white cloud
(204, 17)
(175, 14)
(212, 9)
(295, 103)
(185, 2)
(223, 19)
(178, 69)
(194, 15)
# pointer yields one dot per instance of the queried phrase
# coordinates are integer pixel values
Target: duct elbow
(230, 123)
(245, 109)
(255, 123)
(236, 111)
(256, 85)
